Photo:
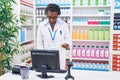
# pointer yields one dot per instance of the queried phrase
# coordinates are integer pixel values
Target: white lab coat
(44, 40)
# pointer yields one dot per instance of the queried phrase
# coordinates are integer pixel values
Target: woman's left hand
(65, 45)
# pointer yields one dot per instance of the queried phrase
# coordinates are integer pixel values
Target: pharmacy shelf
(64, 15)
(40, 16)
(23, 2)
(27, 25)
(118, 49)
(45, 7)
(31, 40)
(100, 16)
(90, 25)
(27, 11)
(25, 51)
(26, 15)
(116, 52)
(26, 56)
(87, 14)
(90, 59)
(86, 17)
(117, 11)
(91, 41)
(59, 16)
(27, 61)
(116, 32)
(92, 6)
(27, 40)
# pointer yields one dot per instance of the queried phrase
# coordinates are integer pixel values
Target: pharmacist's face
(52, 16)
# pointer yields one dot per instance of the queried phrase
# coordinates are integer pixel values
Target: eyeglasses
(49, 17)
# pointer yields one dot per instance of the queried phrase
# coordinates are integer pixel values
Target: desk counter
(78, 74)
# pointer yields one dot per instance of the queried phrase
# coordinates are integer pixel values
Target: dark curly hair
(53, 8)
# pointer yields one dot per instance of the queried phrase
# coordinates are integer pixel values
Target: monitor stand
(44, 72)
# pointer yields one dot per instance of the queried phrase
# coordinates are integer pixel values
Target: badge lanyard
(52, 36)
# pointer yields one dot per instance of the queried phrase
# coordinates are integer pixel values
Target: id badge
(52, 46)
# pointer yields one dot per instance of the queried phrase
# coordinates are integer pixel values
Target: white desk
(78, 74)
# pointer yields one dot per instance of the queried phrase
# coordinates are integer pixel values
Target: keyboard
(52, 71)
(57, 71)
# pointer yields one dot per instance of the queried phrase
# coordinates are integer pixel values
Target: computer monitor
(50, 58)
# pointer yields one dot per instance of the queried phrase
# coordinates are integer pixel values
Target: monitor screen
(50, 58)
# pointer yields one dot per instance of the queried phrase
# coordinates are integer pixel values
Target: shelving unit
(116, 37)
(40, 10)
(92, 29)
(91, 22)
(27, 29)
(25, 51)
(40, 16)
(64, 6)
